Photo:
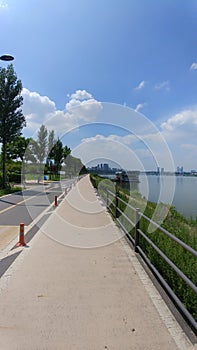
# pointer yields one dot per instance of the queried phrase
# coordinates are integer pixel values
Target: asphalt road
(25, 206)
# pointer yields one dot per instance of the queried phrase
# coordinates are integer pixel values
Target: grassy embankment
(178, 225)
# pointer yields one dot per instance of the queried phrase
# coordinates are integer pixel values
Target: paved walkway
(79, 286)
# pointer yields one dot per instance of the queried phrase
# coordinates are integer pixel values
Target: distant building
(180, 170)
(103, 169)
(106, 167)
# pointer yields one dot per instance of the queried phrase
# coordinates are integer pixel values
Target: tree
(58, 154)
(67, 151)
(41, 146)
(20, 149)
(12, 119)
(51, 143)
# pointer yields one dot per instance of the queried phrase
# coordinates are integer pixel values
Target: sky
(115, 79)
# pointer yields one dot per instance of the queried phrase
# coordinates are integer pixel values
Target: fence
(113, 202)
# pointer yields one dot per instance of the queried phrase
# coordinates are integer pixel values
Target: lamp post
(6, 58)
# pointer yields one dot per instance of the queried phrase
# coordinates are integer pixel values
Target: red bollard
(21, 242)
(56, 204)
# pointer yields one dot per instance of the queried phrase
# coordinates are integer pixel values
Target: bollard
(65, 192)
(21, 242)
(56, 204)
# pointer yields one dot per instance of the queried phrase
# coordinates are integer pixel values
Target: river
(179, 191)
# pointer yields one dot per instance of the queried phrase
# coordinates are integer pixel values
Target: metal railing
(112, 203)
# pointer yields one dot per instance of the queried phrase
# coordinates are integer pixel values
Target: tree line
(20, 155)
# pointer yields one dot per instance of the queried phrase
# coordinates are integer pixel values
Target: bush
(14, 177)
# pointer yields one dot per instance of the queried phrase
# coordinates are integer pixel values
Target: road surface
(26, 206)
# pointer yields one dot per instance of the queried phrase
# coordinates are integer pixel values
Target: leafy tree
(51, 144)
(67, 151)
(58, 154)
(20, 148)
(40, 147)
(12, 119)
(42, 144)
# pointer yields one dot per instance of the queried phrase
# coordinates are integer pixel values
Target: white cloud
(3, 4)
(81, 95)
(163, 85)
(126, 140)
(184, 122)
(140, 85)
(139, 106)
(180, 132)
(83, 110)
(34, 103)
(100, 147)
(40, 110)
(147, 148)
(193, 65)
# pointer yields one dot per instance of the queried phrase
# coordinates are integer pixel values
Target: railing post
(107, 198)
(116, 201)
(137, 226)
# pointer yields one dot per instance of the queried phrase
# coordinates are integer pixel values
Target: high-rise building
(106, 167)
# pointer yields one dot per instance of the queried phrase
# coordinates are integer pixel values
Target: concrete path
(79, 286)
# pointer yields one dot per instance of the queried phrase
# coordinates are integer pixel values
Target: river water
(179, 191)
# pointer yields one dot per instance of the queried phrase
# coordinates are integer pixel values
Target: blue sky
(135, 53)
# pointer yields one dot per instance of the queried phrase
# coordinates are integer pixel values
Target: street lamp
(6, 58)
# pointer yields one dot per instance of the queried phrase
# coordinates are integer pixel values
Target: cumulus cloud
(81, 95)
(193, 65)
(140, 85)
(100, 147)
(163, 85)
(81, 107)
(184, 122)
(34, 103)
(147, 148)
(180, 132)
(85, 110)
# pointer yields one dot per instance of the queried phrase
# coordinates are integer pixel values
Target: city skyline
(105, 168)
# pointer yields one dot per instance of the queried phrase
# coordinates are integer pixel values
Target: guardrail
(114, 201)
